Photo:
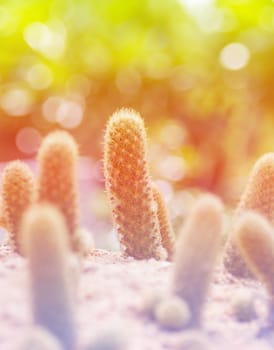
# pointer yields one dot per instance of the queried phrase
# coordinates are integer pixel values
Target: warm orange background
(200, 72)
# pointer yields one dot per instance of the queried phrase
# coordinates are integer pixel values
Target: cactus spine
(18, 193)
(57, 177)
(44, 241)
(129, 186)
(258, 196)
(196, 253)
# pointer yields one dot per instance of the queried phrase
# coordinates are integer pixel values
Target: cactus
(57, 177)
(255, 240)
(196, 253)
(172, 313)
(243, 306)
(40, 339)
(258, 196)
(129, 186)
(109, 339)
(45, 243)
(166, 231)
(18, 190)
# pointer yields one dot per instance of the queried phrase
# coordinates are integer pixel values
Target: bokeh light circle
(28, 140)
(234, 56)
(16, 101)
(39, 76)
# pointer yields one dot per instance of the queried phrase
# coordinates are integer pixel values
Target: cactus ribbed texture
(18, 190)
(166, 230)
(57, 182)
(129, 186)
(258, 196)
(196, 254)
(255, 239)
(45, 243)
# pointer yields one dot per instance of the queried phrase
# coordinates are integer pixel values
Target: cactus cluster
(43, 225)
(259, 197)
(42, 222)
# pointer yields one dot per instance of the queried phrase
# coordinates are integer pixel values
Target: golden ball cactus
(258, 196)
(18, 191)
(129, 186)
(57, 182)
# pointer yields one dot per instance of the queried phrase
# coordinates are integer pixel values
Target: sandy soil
(110, 297)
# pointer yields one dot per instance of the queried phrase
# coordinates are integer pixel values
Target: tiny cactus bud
(196, 254)
(258, 196)
(172, 313)
(57, 176)
(18, 194)
(112, 339)
(243, 307)
(151, 299)
(45, 243)
(129, 186)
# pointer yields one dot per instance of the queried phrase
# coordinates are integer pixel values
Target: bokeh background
(200, 72)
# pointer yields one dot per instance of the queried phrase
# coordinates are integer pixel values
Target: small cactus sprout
(18, 190)
(243, 307)
(151, 299)
(39, 338)
(172, 313)
(255, 239)
(83, 241)
(129, 186)
(193, 340)
(258, 196)
(111, 339)
(166, 231)
(57, 176)
(196, 254)
(44, 241)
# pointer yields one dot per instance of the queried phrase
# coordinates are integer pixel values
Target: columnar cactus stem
(57, 182)
(254, 236)
(45, 243)
(129, 186)
(196, 254)
(166, 230)
(255, 239)
(258, 196)
(18, 190)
